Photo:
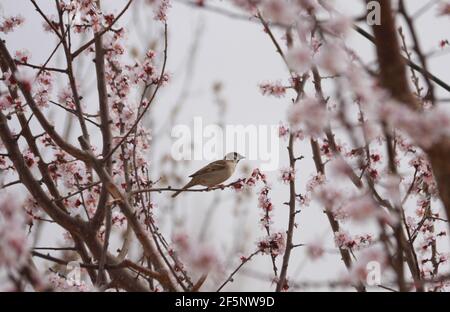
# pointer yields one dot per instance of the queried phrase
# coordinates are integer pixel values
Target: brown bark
(392, 64)
(393, 78)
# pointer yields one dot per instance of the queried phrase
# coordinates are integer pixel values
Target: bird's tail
(191, 183)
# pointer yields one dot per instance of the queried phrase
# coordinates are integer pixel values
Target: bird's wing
(212, 167)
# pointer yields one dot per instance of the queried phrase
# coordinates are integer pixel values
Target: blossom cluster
(160, 9)
(424, 128)
(310, 114)
(13, 239)
(203, 257)
(287, 175)
(275, 89)
(60, 283)
(10, 23)
(274, 244)
(353, 242)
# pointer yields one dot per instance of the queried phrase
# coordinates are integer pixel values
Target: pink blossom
(205, 259)
(425, 127)
(147, 71)
(30, 159)
(315, 251)
(86, 5)
(250, 182)
(72, 173)
(53, 21)
(444, 8)
(6, 102)
(249, 5)
(310, 114)
(443, 43)
(59, 282)
(264, 201)
(287, 175)
(275, 89)
(326, 150)
(13, 240)
(304, 200)
(118, 219)
(339, 25)
(160, 9)
(364, 87)
(345, 241)
(22, 55)
(68, 7)
(428, 239)
(44, 86)
(90, 16)
(300, 58)
(443, 258)
(25, 78)
(308, 5)
(340, 168)
(299, 135)
(315, 181)
(182, 242)
(274, 244)
(359, 208)
(333, 58)
(259, 175)
(239, 185)
(278, 11)
(283, 131)
(65, 97)
(202, 256)
(328, 194)
(10, 23)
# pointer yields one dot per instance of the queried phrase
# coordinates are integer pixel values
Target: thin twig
(230, 277)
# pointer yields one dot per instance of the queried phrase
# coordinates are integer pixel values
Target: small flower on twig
(274, 244)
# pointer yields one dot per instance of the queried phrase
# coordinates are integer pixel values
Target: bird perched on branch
(214, 173)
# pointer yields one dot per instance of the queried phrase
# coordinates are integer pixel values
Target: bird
(214, 173)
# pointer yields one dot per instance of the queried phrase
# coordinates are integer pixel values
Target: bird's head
(233, 156)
